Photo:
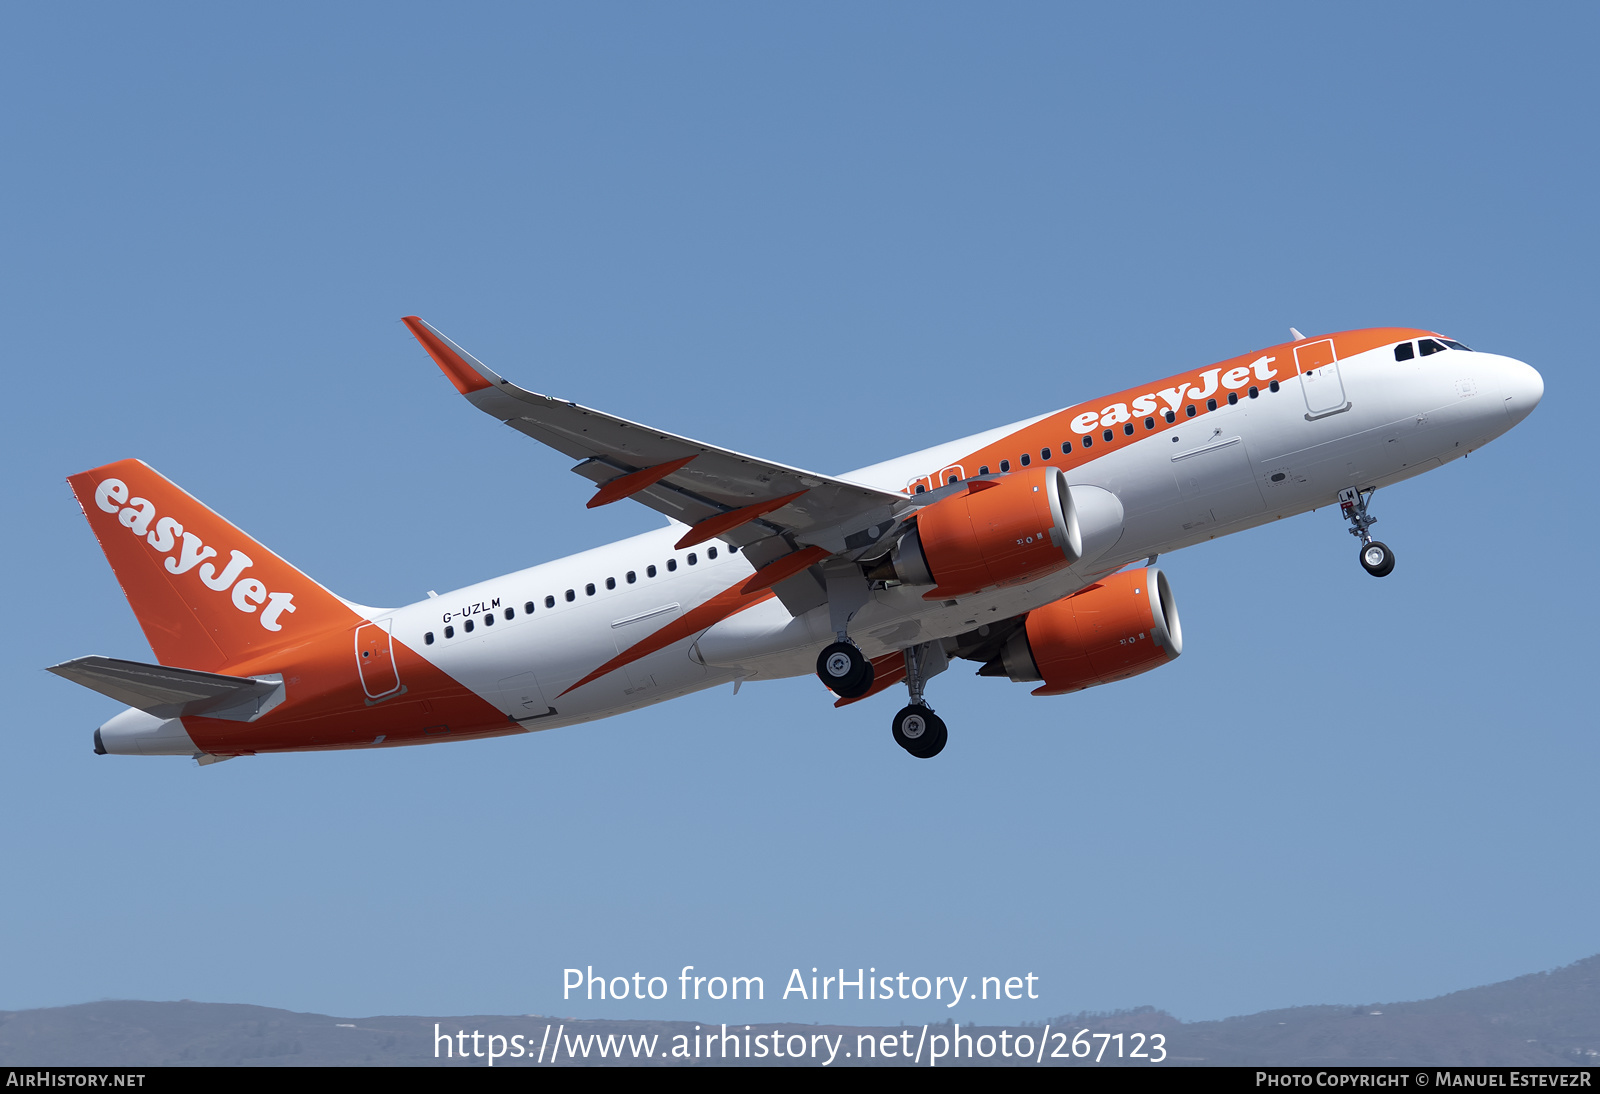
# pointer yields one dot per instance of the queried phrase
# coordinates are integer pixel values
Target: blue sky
(829, 234)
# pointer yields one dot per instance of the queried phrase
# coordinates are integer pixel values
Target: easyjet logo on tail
(185, 552)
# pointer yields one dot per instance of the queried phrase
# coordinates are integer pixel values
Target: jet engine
(996, 532)
(1118, 627)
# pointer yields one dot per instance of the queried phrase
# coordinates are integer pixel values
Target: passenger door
(1318, 365)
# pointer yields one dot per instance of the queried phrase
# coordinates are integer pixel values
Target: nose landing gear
(1376, 558)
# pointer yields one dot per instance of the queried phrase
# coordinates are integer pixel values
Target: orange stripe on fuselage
(784, 568)
(1056, 432)
(326, 706)
(728, 602)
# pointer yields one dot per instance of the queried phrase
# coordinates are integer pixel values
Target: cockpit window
(1428, 345)
(1405, 351)
(1455, 345)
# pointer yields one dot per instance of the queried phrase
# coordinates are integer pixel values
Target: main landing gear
(1376, 558)
(841, 665)
(920, 732)
(917, 729)
(845, 669)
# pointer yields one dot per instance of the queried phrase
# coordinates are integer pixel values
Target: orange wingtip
(634, 481)
(726, 522)
(460, 371)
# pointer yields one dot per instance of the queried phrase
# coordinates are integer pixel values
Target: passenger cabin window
(488, 620)
(692, 558)
(1088, 442)
(1211, 404)
(1270, 387)
(549, 601)
(1405, 351)
(1189, 410)
(711, 552)
(1233, 398)
(449, 632)
(467, 626)
(1149, 423)
(672, 564)
(632, 577)
(921, 489)
(588, 590)
(1127, 429)
(1005, 465)
(1026, 459)
(984, 470)
(511, 613)
(1044, 453)
(650, 570)
(427, 639)
(1170, 417)
(571, 596)
(611, 583)
(1255, 392)
(1107, 435)
(527, 609)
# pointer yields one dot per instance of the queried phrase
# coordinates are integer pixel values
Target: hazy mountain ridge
(1543, 1019)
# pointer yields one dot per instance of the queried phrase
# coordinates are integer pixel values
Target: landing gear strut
(841, 665)
(845, 669)
(1376, 558)
(917, 729)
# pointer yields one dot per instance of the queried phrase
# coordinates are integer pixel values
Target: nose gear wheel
(1377, 559)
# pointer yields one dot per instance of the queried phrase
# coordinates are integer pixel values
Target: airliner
(1029, 550)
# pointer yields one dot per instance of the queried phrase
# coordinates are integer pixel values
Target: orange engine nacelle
(996, 532)
(1119, 627)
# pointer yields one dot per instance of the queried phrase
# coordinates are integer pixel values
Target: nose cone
(1523, 388)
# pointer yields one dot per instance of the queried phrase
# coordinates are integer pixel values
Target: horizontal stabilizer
(176, 693)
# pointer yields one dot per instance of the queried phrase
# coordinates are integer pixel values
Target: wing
(720, 494)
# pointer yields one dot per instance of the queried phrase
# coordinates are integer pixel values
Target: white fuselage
(1375, 421)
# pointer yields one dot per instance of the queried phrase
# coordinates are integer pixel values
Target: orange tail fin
(207, 595)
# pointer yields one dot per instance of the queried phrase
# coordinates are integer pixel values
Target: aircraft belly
(762, 631)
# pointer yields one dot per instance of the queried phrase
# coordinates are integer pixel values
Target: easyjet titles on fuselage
(1233, 380)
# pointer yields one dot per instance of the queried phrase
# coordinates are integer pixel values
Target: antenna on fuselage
(1298, 337)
